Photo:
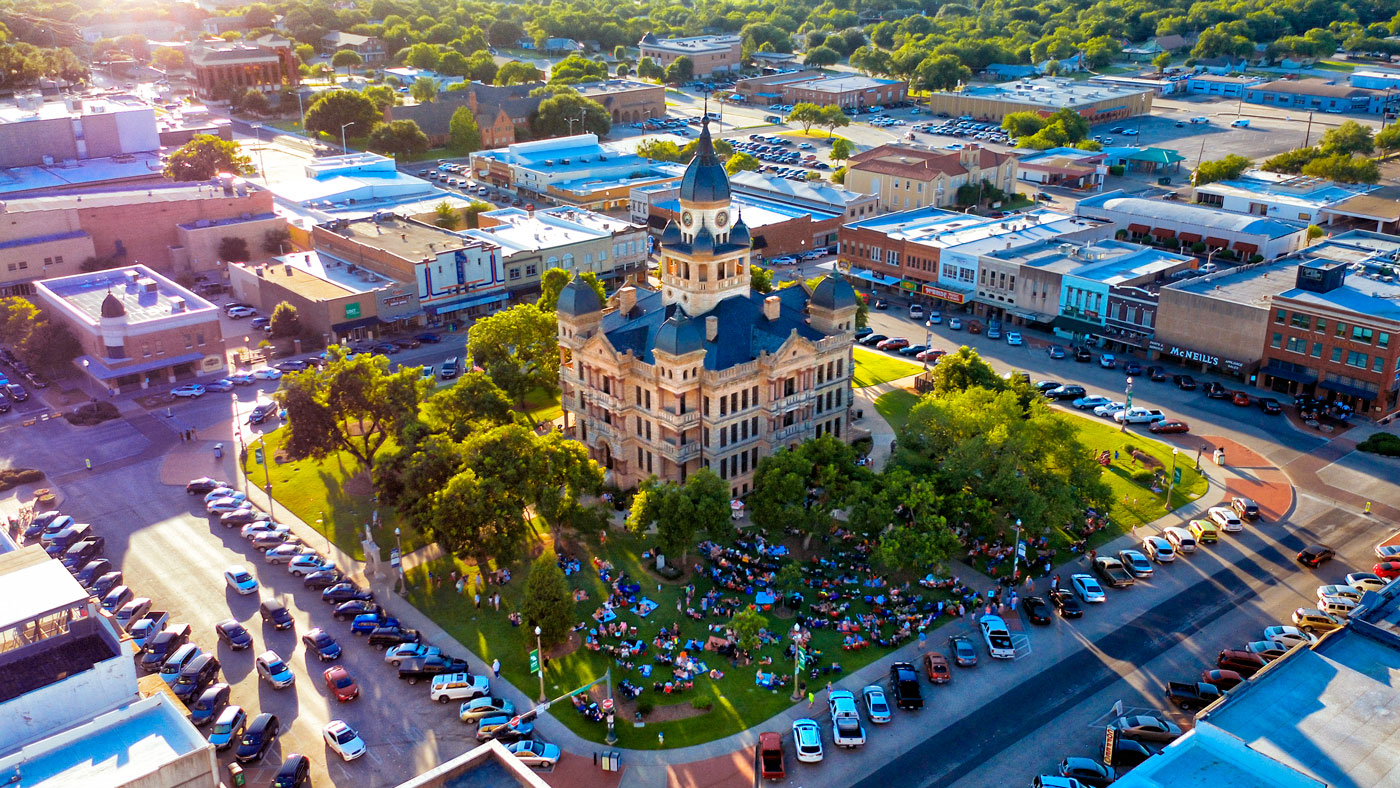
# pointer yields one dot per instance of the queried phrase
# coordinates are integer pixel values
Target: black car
(1131, 367)
(1156, 373)
(1269, 405)
(1215, 390)
(1066, 392)
(234, 634)
(258, 738)
(203, 485)
(1066, 603)
(1037, 609)
(1044, 386)
(431, 339)
(322, 579)
(1184, 382)
(1314, 555)
(904, 686)
(16, 392)
(407, 343)
(41, 521)
(392, 636)
(105, 583)
(346, 592)
(194, 677)
(164, 644)
(864, 331)
(276, 614)
(319, 642)
(870, 340)
(881, 303)
(295, 772)
(292, 365)
(1128, 753)
(81, 553)
(1087, 771)
(92, 570)
(241, 517)
(346, 611)
(1082, 355)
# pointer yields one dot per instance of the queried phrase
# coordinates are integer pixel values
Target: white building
(1158, 220)
(1298, 198)
(532, 242)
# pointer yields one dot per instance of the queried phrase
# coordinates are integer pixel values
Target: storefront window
(1301, 320)
(1277, 341)
(1382, 340)
(1280, 315)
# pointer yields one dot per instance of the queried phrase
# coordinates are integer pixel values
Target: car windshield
(250, 740)
(242, 577)
(345, 737)
(223, 727)
(343, 682)
(276, 666)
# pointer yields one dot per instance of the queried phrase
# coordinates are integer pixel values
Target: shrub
(92, 413)
(1198, 247)
(14, 477)
(1142, 476)
(703, 704)
(1116, 169)
(1256, 258)
(1382, 443)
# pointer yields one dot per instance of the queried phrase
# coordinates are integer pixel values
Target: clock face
(722, 219)
(687, 219)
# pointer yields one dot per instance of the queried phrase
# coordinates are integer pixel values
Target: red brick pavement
(735, 770)
(578, 771)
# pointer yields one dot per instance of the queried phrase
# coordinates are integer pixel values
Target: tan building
(705, 372)
(710, 54)
(338, 301)
(222, 69)
(136, 327)
(1097, 103)
(532, 242)
(847, 91)
(906, 177)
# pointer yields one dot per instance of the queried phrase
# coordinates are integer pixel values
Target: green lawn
(874, 368)
(894, 407)
(542, 406)
(736, 702)
(1333, 65)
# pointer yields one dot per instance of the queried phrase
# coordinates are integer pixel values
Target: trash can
(235, 774)
(1220, 457)
(219, 452)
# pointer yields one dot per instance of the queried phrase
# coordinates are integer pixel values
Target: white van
(1336, 606)
(916, 311)
(1181, 539)
(1242, 123)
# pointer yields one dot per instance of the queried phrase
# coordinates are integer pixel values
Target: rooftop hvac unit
(177, 304)
(148, 285)
(130, 276)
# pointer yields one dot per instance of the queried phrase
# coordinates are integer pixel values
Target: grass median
(874, 368)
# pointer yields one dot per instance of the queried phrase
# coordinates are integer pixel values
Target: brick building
(222, 69)
(710, 54)
(796, 86)
(136, 327)
(905, 176)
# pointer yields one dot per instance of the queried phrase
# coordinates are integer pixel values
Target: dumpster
(219, 452)
(235, 774)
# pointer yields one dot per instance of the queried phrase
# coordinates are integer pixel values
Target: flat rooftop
(696, 43)
(1296, 190)
(117, 748)
(1203, 218)
(592, 220)
(1107, 261)
(1208, 757)
(1251, 285)
(844, 84)
(86, 292)
(520, 232)
(758, 213)
(1362, 295)
(783, 188)
(143, 195)
(487, 765)
(403, 238)
(943, 229)
(1052, 92)
(52, 660)
(320, 277)
(11, 112)
(63, 176)
(32, 587)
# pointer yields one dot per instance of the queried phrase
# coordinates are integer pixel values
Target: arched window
(568, 261)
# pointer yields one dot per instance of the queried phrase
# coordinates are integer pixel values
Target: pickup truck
(1192, 697)
(148, 626)
(366, 623)
(846, 730)
(904, 686)
(770, 756)
(418, 668)
(998, 639)
(1113, 572)
(1137, 415)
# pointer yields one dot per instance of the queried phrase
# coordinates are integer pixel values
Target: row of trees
(1342, 154)
(1064, 128)
(44, 345)
(829, 117)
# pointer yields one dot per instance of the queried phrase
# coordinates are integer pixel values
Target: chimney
(712, 327)
(772, 305)
(626, 299)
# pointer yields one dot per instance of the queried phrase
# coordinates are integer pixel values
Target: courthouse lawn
(876, 367)
(542, 406)
(894, 407)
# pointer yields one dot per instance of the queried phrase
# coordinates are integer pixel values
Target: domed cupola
(671, 236)
(112, 306)
(705, 180)
(739, 234)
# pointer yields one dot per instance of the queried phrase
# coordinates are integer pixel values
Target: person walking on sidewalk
(1055, 583)
(496, 667)
(811, 699)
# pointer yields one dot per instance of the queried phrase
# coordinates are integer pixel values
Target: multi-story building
(1069, 168)
(1335, 333)
(222, 68)
(532, 242)
(339, 301)
(1208, 84)
(907, 176)
(135, 327)
(173, 228)
(937, 253)
(1217, 322)
(1097, 103)
(1243, 235)
(370, 48)
(36, 132)
(1298, 198)
(573, 170)
(72, 710)
(796, 86)
(704, 372)
(709, 54)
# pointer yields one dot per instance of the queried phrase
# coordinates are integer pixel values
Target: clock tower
(705, 252)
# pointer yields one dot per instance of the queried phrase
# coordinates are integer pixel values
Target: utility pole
(1307, 136)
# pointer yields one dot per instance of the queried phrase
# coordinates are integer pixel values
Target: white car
(807, 740)
(877, 709)
(254, 529)
(1366, 581)
(1109, 408)
(343, 740)
(242, 312)
(536, 754)
(785, 260)
(1013, 338)
(224, 492)
(997, 637)
(241, 580)
(267, 373)
(1226, 518)
(1090, 402)
(1087, 588)
(306, 564)
(846, 730)
(1159, 549)
(1345, 592)
(1139, 415)
(1288, 637)
(223, 505)
(283, 553)
(935, 317)
(273, 669)
(192, 390)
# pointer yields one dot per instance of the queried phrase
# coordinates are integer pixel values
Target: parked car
(346, 592)
(1089, 402)
(1159, 550)
(228, 728)
(1139, 415)
(1112, 571)
(170, 670)
(962, 651)
(1146, 728)
(1037, 610)
(1192, 696)
(343, 740)
(273, 669)
(1184, 382)
(1065, 603)
(234, 634)
(1087, 771)
(997, 637)
(487, 706)
(417, 669)
(1366, 581)
(295, 772)
(502, 729)
(807, 740)
(536, 754)
(319, 642)
(877, 709)
(1245, 507)
(1243, 662)
(1087, 588)
(1168, 426)
(936, 668)
(904, 685)
(340, 683)
(1223, 680)
(240, 580)
(189, 391)
(276, 614)
(197, 674)
(1066, 392)
(846, 730)
(389, 636)
(1136, 563)
(1312, 620)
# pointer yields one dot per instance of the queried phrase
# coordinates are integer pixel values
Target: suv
(455, 686)
(258, 738)
(904, 685)
(156, 649)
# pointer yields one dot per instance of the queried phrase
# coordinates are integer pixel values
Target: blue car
(228, 727)
(210, 705)
(368, 622)
(320, 643)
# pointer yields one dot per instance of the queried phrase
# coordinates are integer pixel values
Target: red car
(893, 343)
(1221, 679)
(340, 684)
(1245, 663)
(1169, 425)
(1240, 398)
(1387, 570)
(936, 666)
(931, 355)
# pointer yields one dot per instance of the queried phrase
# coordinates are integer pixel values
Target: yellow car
(1310, 619)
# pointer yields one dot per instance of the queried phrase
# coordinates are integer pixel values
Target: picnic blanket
(644, 607)
(763, 599)
(607, 616)
(763, 679)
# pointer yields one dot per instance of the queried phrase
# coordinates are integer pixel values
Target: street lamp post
(301, 113)
(267, 475)
(398, 546)
(540, 648)
(1171, 484)
(257, 129)
(343, 147)
(796, 662)
(1016, 551)
(1127, 405)
(928, 341)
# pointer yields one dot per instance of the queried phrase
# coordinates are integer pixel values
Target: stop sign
(607, 704)
(514, 721)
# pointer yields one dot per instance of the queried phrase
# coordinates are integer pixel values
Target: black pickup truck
(904, 685)
(1191, 697)
(416, 669)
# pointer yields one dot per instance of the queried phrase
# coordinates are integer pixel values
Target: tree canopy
(335, 108)
(554, 280)
(398, 138)
(1228, 168)
(559, 115)
(680, 512)
(205, 156)
(519, 348)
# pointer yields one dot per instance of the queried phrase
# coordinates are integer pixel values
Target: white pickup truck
(846, 730)
(1137, 415)
(998, 638)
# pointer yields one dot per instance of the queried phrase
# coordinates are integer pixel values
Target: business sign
(1187, 354)
(395, 301)
(951, 296)
(352, 311)
(910, 286)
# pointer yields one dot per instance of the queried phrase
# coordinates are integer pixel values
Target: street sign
(394, 559)
(1176, 476)
(258, 455)
(1021, 548)
(608, 705)
(535, 660)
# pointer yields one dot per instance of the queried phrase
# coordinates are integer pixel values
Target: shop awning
(468, 302)
(1273, 368)
(351, 325)
(1189, 238)
(1246, 249)
(1163, 232)
(98, 368)
(1217, 242)
(874, 278)
(1346, 389)
(1138, 229)
(1074, 325)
